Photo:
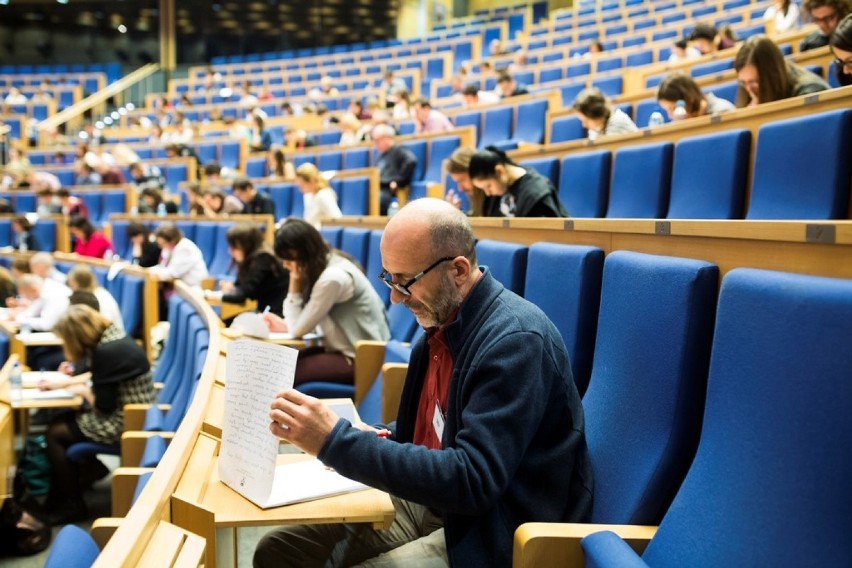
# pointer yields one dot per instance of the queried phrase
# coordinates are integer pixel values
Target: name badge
(438, 423)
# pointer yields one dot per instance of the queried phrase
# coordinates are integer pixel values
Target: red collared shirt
(436, 386)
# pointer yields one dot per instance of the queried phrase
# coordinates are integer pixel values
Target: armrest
(208, 283)
(133, 446)
(558, 544)
(369, 356)
(103, 529)
(393, 378)
(134, 415)
(435, 189)
(124, 480)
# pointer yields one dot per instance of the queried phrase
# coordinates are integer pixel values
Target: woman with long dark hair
(329, 291)
(89, 241)
(511, 190)
(260, 275)
(841, 47)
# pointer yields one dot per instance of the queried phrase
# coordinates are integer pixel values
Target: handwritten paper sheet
(255, 372)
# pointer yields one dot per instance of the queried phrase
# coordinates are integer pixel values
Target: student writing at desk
(490, 430)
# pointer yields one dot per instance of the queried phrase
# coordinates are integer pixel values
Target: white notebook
(255, 371)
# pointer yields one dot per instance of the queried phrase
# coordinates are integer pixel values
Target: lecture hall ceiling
(287, 23)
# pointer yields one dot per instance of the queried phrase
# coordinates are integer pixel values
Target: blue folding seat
(356, 158)
(469, 118)
(584, 183)
(577, 70)
(205, 238)
(569, 92)
(743, 500)
(299, 159)
(440, 149)
(644, 110)
(609, 86)
(418, 148)
(356, 242)
(25, 202)
(72, 548)
(632, 42)
(188, 228)
(220, 265)
(283, 195)
(548, 167)
(175, 175)
(664, 35)
(704, 11)
(802, 168)
(572, 302)
(374, 265)
(531, 122)
(507, 262)
(640, 58)
(328, 137)
(45, 232)
(206, 152)
(229, 154)
(709, 176)
(549, 75)
(566, 128)
(354, 196)
(329, 161)
(332, 236)
(726, 90)
(641, 180)
(711, 68)
(131, 302)
(496, 125)
(256, 167)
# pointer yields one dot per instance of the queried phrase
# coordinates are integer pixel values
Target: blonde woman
(119, 374)
(320, 200)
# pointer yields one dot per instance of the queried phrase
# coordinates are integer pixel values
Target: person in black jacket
(145, 251)
(24, 238)
(260, 275)
(254, 202)
(396, 164)
(512, 191)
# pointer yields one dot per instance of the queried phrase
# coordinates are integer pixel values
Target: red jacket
(97, 246)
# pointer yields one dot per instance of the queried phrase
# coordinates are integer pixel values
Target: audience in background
(217, 204)
(278, 165)
(89, 241)
(144, 251)
(764, 76)
(260, 275)
(82, 279)
(42, 302)
(47, 203)
(784, 15)
(458, 168)
(120, 375)
(396, 165)
(681, 87)
(826, 14)
(841, 47)
(508, 87)
(428, 119)
(511, 190)
(389, 88)
(23, 237)
(259, 138)
(180, 258)
(320, 200)
(473, 96)
(402, 107)
(326, 290)
(254, 202)
(707, 39)
(41, 264)
(598, 117)
(350, 127)
(8, 290)
(71, 205)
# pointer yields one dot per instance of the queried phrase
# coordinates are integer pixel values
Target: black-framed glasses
(403, 289)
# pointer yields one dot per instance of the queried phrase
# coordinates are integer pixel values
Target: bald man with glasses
(489, 416)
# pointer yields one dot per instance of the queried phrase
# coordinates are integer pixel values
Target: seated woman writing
(120, 374)
(260, 275)
(329, 291)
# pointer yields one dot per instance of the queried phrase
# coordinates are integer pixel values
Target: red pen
(383, 433)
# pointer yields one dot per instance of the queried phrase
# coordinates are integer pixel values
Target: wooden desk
(24, 405)
(203, 505)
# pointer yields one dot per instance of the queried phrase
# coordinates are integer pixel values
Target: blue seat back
(354, 196)
(469, 118)
(643, 405)
(355, 158)
(418, 148)
(45, 232)
(566, 128)
(374, 265)
(329, 161)
(205, 239)
(283, 195)
(531, 120)
(572, 302)
(770, 481)
(584, 183)
(72, 548)
(709, 176)
(802, 168)
(440, 149)
(548, 167)
(113, 202)
(641, 180)
(496, 125)
(507, 262)
(356, 242)
(220, 264)
(332, 236)
(131, 302)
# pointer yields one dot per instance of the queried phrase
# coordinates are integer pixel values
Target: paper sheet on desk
(37, 394)
(31, 379)
(255, 372)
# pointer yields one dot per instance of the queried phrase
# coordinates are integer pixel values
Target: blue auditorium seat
(440, 149)
(748, 498)
(220, 265)
(802, 168)
(531, 120)
(45, 232)
(572, 301)
(355, 158)
(584, 183)
(205, 239)
(113, 202)
(641, 180)
(332, 236)
(496, 126)
(418, 148)
(469, 118)
(548, 167)
(283, 195)
(565, 128)
(709, 176)
(72, 548)
(354, 196)
(206, 152)
(356, 242)
(507, 262)
(374, 265)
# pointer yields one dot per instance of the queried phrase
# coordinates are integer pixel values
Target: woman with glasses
(328, 291)
(764, 76)
(841, 47)
(512, 190)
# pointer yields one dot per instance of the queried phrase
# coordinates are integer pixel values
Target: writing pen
(266, 310)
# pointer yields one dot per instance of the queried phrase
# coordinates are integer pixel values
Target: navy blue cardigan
(514, 447)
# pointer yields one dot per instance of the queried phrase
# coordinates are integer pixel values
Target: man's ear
(461, 265)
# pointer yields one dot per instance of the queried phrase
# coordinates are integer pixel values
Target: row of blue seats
(45, 231)
(111, 70)
(175, 174)
(506, 126)
(704, 177)
(101, 204)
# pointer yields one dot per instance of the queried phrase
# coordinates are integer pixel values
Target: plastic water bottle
(15, 382)
(25, 328)
(656, 119)
(393, 208)
(161, 209)
(679, 111)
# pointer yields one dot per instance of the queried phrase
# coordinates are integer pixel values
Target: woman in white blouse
(320, 200)
(327, 291)
(784, 14)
